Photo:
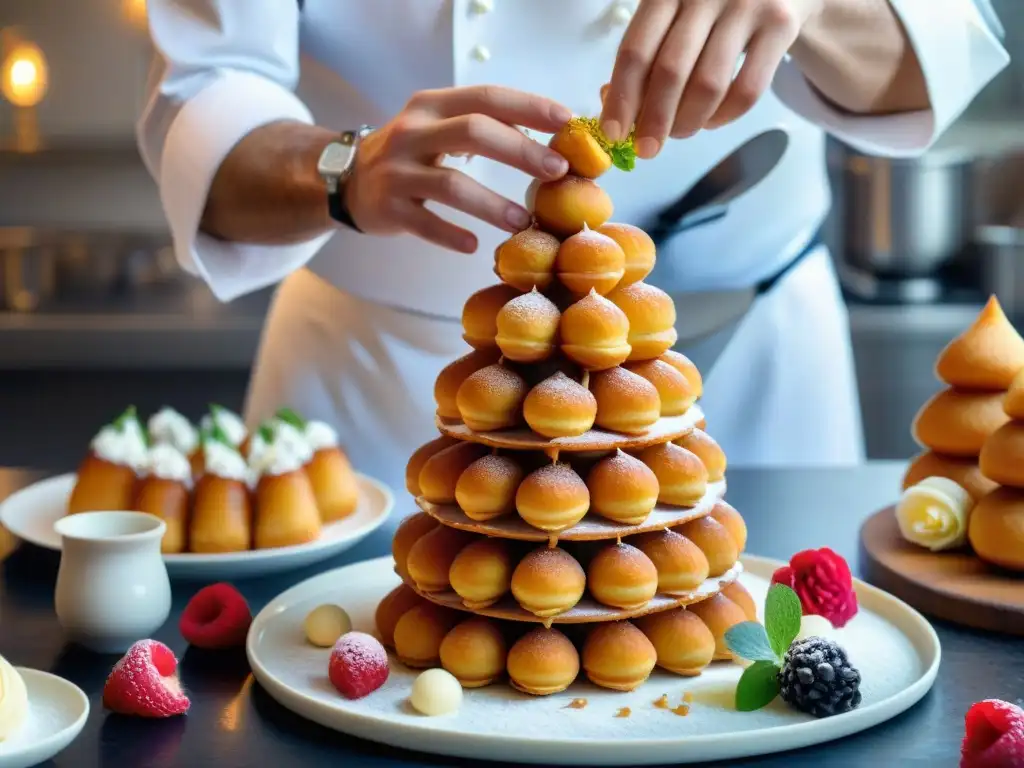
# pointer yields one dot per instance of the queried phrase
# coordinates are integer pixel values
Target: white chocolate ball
(815, 626)
(436, 692)
(325, 624)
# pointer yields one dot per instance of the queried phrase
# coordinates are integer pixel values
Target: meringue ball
(325, 624)
(436, 692)
(815, 626)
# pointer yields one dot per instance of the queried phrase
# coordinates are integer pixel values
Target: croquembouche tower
(572, 515)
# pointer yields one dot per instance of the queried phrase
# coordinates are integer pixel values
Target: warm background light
(135, 11)
(25, 76)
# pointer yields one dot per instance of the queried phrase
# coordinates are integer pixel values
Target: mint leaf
(782, 612)
(130, 414)
(267, 432)
(215, 434)
(288, 416)
(623, 157)
(748, 640)
(758, 685)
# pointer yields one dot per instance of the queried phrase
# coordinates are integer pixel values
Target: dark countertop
(234, 723)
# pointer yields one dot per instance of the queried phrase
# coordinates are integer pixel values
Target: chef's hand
(674, 71)
(398, 166)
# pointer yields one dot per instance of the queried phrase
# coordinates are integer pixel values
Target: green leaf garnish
(288, 416)
(622, 153)
(623, 157)
(758, 686)
(121, 422)
(748, 640)
(266, 432)
(215, 434)
(782, 612)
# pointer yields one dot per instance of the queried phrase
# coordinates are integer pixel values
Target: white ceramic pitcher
(112, 586)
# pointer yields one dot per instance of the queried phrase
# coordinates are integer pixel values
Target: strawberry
(144, 683)
(358, 665)
(994, 736)
(217, 616)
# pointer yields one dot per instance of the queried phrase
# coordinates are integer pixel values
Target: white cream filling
(170, 427)
(124, 444)
(223, 461)
(167, 462)
(320, 435)
(230, 424)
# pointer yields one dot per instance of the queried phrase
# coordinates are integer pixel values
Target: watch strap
(338, 209)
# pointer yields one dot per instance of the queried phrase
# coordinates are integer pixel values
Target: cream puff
(560, 407)
(492, 399)
(622, 576)
(682, 477)
(527, 328)
(714, 540)
(957, 423)
(622, 488)
(222, 516)
(589, 261)
(638, 247)
(681, 565)
(419, 458)
(334, 482)
(594, 333)
(984, 357)
(419, 633)
(395, 604)
(707, 450)
(286, 508)
(963, 471)
(683, 642)
(548, 581)
(409, 531)
(1013, 403)
(480, 315)
(685, 366)
(481, 572)
(1002, 456)
(431, 556)
(452, 376)
(440, 473)
(652, 319)
(565, 206)
(626, 403)
(108, 475)
(727, 516)
(474, 652)
(577, 143)
(542, 662)
(996, 528)
(552, 498)
(527, 259)
(487, 488)
(618, 656)
(720, 614)
(739, 595)
(673, 388)
(165, 491)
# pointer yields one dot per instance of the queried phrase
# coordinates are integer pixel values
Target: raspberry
(143, 683)
(358, 665)
(994, 736)
(217, 616)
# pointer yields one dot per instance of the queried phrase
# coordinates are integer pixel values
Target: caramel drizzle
(585, 380)
(662, 701)
(682, 710)
(624, 712)
(576, 704)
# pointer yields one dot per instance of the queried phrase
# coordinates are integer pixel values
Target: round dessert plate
(664, 429)
(590, 528)
(30, 514)
(57, 711)
(894, 647)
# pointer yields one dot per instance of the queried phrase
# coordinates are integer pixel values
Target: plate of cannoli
(236, 503)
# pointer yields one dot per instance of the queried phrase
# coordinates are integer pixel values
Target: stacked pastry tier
(538, 660)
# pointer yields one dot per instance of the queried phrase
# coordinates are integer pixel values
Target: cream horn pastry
(222, 508)
(286, 509)
(331, 474)
(108, 474)
(165, 492)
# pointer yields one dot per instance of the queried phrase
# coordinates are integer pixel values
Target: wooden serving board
(953, 585)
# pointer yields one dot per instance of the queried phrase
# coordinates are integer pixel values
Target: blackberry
(817, 678)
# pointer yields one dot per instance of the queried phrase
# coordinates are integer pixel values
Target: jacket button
(481, 6)
(621, 14)
(481, 53)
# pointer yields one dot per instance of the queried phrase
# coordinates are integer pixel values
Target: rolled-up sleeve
(959, 53)
(222, 70)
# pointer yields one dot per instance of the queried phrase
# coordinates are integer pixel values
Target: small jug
(112, 585)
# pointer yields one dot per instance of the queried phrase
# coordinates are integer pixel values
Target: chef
(368, 157)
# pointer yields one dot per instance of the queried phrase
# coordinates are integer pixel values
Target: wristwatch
(335, 166)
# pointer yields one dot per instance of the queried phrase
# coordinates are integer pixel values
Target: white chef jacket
(362, 325)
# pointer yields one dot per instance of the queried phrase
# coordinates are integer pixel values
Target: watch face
(335, 159)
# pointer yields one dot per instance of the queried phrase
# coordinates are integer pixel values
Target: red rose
(822, 580)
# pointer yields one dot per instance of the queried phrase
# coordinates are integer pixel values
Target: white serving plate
(895, 648)
(31, 513)
(57, 711)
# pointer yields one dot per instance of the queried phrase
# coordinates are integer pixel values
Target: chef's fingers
(669, 74)
(505, 104)
(432, 228)
(764, 55)
(715, 70)
(636, 54)
(456, 190)
(478, 134)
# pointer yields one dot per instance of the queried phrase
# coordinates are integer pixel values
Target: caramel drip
(548, 622)
(624, 712)
(576, 704)
(682, 710)
(552, 541)
(585, 380)
(688, 697)
(662, 701)
(552, 453)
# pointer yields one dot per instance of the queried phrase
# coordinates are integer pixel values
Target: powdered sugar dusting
(536, 241)
(589, 251)
(497, 381)
(593, 312)
(359, 651)
(553, 565)
(501, 470)
(529, 309)
(560, 390)
(625, 563)
(558, 479)
(623, 382)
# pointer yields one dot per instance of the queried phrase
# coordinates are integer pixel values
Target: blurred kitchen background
(93, 306)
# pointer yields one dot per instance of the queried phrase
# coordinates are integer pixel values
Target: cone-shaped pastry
(986, 356)
(1013, 403)
(481, 572)
(419, 458)
(681, 565)
(480, 315)
(683, 642)
(165, 492)
(330, 473)
(474, 652)
(582, 145)
(638, 247)
(542, 662)
(685, 366)
(720, 614)
(396, 604)
(963, 471)
(487, 487)
(565, 206)
(622, 488)
(673, 388)
(560, 407)
(589, 261)
(440, 474)
(682, 477)
(626, 402)
(222, 509)
(1002, 457)
(553, 498)
(594, 333)
(739, 595)
(409, 531)
(652, 319)
(420, 632)
(167, 426)
(527, 328)
(492, 398)
(619, 656)
(714, 540)
(431, 556)
(107, 476)
(958, 423)
(996, 528)
(548, 581)
(622, 576)
(527, 259)
(732, 521)
(451, 377)
(707, 450)
(286, 509)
